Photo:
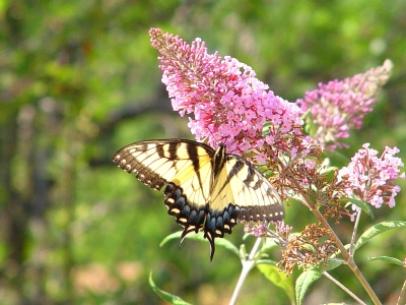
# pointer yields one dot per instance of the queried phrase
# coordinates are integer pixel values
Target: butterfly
(205, 189)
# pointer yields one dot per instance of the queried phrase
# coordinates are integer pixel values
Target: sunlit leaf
(388, 259)
(269, 243)
(378, 229)
(166, 296)
(310, 127)
(303, 283)
(293, 201)
(278, 277)
(266, 261)
(3, 6)
(221, 242)
(329, 173)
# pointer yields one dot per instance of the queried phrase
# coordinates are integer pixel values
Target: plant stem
(402, 295)
(247, 265)
(347, 257)
(341, 285)
(354, 232)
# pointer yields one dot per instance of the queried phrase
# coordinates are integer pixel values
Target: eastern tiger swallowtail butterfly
(205, 189)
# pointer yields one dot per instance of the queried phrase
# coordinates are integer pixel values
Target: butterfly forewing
(186, 164)
(221, 194)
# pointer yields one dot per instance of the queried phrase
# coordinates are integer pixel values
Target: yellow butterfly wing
(240, 184)
(239, 193)
(183, 163)
(205, 190)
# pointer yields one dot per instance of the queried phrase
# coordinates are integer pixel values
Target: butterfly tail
(210, 238)
(186, 231)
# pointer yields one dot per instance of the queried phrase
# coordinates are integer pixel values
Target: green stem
(402, 295)
(354, 232)
(344, 288)
(347, 257)
(247, 265)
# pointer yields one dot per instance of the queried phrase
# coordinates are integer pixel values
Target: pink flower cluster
(338, 106)
(224, 100)
(371, 178)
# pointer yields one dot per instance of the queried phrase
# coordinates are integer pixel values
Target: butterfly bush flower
(371, 178)
(311, 247)
(223, 99)
(338, 106)
(259, 229)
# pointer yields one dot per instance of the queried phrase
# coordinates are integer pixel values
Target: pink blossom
(257, 229)
(338, 106)
(371, 178)
(281, 230)
(224, 100)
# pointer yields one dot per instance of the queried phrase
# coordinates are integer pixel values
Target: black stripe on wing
(126, 161)
(131, 158)
(237, 167)
(261, 201)
(192, 152)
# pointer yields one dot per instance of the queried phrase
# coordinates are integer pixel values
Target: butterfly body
(205, 189)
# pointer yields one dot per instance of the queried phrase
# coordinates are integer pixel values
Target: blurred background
(79, 79)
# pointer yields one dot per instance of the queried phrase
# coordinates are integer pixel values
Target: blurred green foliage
(78, 80)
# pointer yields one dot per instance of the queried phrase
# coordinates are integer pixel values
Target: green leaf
(336, 157)
(303, 283)
(364, 206)
(265, 129)
(3, 6)
(222, 242)
(278, 277)
(309, 276)
(265, 261)
(329, 173)
(268, 243)
(166, 296)
(378, 229)
(388, 259)
(310, 127)
(293, 201)
(333, 263)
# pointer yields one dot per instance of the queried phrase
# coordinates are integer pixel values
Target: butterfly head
(221, 147)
